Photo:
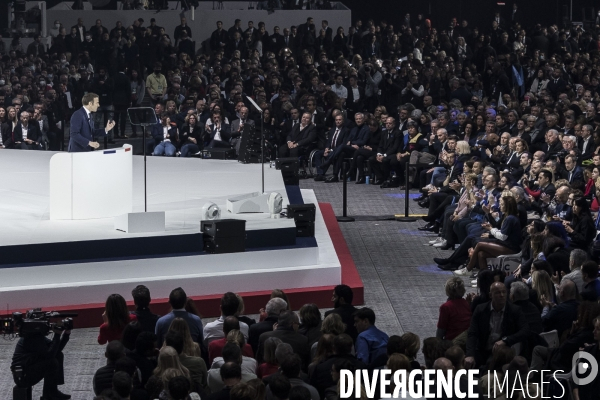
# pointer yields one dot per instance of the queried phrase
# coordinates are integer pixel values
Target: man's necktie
(334, 139)
(91, 122)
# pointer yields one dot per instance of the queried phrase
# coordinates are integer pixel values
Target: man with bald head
(496, 323)
(443, 364)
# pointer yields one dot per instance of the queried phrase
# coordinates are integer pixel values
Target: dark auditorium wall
(477, 12)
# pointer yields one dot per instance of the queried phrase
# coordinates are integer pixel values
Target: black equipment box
(305, 229)
(236, 244)
(224, 235)
(217, 153)
(287, 164)
(223, 228)
(302, 212)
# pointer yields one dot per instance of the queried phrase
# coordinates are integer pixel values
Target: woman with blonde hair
(542, 284)
(190, 348)
(462, 148)
(168, 358)
(413, 344)
(333, 324)
(322, 352)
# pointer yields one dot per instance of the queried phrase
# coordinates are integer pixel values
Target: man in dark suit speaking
(82, 126)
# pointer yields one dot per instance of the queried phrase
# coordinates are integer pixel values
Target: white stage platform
(177, 186)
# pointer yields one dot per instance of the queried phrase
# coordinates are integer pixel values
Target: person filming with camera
(36, 357)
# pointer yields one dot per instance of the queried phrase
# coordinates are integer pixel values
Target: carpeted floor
(402, 285)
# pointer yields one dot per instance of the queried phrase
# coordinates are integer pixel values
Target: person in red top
(455, 313)
(215, 348)
(270, 366)
(116, 317)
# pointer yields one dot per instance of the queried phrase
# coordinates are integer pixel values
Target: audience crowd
(506, 327)
(498, 126)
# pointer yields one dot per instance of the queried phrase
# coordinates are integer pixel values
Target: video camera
(35, 322)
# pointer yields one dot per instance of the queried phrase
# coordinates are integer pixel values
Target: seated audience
(455, 314)
(115, 317)
(215, 348)
(146, 318)
(371, 342)
(231, 355)
(229, 306)
(104, 375)
(177, 300)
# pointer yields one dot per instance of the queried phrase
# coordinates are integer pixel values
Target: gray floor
(401, 283)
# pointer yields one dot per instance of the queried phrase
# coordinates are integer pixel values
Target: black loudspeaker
(249, 152)
(304, 217)
(305, 229)
(288, 164)
(224, 236)
(302, 212)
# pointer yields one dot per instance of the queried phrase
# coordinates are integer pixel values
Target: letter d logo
(584, 368)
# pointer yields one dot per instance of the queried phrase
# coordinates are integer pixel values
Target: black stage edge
(136, 248)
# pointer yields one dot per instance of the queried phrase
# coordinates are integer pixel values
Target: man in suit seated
(543, 193)
(82, 125)
(573, 172)
(219, 132)
(273, 308)
(301, 139)
(586, 143)
(494, 324)
(386, 151)
(27, 136)
(286, 331)
(356, 139)
(336, 138)
(237, 128)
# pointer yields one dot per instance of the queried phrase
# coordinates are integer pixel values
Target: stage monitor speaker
(287, 164)
(223, 228)
(224, 236)
(302, 212)
(305, 229)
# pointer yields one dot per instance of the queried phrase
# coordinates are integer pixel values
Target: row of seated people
(170, 138)
(29, 132)
(412, 138)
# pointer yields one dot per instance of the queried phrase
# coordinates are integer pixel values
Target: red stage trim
(90, 315)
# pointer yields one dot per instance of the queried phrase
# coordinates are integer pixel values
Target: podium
(88, 185)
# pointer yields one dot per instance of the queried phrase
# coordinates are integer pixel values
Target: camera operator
(36, 357)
